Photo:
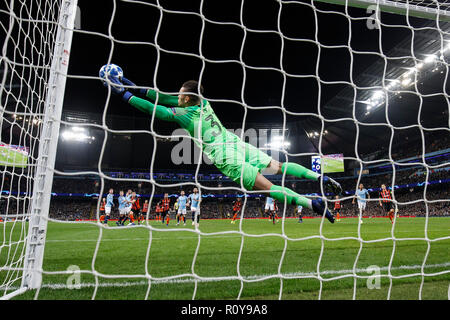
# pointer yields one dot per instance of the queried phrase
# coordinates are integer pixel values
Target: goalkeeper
(238, 160)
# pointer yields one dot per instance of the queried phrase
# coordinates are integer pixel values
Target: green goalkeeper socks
(299, 171)
(277, 192)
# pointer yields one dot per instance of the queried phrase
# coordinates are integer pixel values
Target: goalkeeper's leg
(248, 174)
(284, 194)
(299, 171)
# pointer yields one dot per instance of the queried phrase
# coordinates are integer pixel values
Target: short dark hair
(193, 87)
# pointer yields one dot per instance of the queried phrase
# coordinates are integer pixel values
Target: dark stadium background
(127, 22)
(316, 45)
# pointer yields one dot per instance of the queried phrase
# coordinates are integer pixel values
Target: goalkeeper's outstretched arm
(161, 112)
(162, 98)
(157, 97)
(128, 94)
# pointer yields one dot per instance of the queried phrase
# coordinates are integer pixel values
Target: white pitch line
(217, 236)
(213, 236)
(57, 286)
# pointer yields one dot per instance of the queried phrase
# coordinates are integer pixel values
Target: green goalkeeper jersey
(238, 160)
(199, 121)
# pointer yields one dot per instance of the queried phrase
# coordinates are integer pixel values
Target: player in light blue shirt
(361, 195)
(109, 205)
(122, 208)
(181, 212)
(128, 205)
(269, 209)
(128, 196)
(299, 211)
(194, 203)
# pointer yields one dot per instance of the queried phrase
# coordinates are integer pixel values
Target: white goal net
(36, 39)
(367, 80)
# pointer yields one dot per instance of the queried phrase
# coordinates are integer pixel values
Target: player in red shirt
(158, 211)
(144, 210)
(337, 209)
(135, 212)
(237, 206)
(165, 209)
(386, 202)
(102, 209)
(275, 216)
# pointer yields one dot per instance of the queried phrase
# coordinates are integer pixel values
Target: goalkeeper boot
(331, 185)
(319, 207)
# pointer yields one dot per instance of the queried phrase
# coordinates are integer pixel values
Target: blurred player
(175, 208)
(102, 210)
(144, 210)
(386, 202)
(165, 206)
(194, 203)
(181, 210)
(269, 208)
(122, 208)
(299, 213)
(337, 209)
(135, 213)
(158, 211)
(361, 195)
(238, 160)
(129, 203)
(237, 206)
(109, 204)
(275, 216)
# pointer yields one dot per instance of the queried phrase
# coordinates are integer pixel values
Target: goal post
(418, 9)
(48, 140)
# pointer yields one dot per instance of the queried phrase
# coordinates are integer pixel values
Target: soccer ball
(109, 71)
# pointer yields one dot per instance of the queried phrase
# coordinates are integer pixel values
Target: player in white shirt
(269, 208)
(299, 212)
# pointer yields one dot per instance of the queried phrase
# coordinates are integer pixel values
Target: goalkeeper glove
(132, 84)
(118, 88)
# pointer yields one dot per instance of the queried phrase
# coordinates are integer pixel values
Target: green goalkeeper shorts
(240, 159)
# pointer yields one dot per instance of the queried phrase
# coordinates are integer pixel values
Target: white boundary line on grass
(292, 275)
(232, 235)
(212, 236)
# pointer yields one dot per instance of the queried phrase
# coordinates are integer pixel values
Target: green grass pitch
(11, 157)
(332, 165)
(173, 257)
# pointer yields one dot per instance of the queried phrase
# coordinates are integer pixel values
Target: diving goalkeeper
(236, 159)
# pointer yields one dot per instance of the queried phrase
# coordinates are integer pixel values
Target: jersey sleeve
(162, 98)
(161, 112)
(180, 115)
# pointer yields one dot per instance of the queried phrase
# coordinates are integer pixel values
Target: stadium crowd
(77, 197)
